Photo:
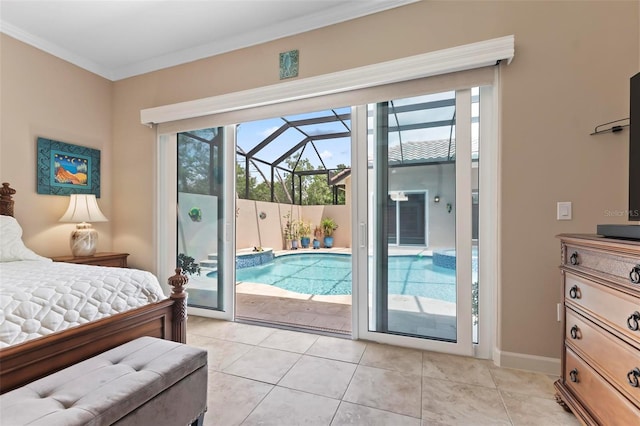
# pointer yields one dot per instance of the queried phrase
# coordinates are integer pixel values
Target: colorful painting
(65, 169)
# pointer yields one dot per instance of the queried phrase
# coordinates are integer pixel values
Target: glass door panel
(417, 285)
(201, 215)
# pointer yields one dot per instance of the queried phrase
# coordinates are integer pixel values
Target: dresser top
(594, 240)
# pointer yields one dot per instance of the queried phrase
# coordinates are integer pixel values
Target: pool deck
(266, 303)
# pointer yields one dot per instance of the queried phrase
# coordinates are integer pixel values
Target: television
(634, 149)
(630, 231)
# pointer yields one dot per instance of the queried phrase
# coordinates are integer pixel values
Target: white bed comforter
(41, 297)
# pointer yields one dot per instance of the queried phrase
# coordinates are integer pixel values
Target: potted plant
(317, 234)
(188, 264)
(291, 232)
(328, 225)
(305, 233)
(295, 234)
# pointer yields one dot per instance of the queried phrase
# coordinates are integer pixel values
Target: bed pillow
(11, 246)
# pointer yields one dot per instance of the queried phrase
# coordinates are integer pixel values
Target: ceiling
(120, 39)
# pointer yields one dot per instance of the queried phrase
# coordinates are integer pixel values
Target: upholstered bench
(147, 381)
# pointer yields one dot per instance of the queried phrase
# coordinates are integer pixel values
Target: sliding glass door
(418, 216)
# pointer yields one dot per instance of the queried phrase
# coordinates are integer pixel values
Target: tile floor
(267, 376)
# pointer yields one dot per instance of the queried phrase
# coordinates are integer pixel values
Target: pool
(330, 274)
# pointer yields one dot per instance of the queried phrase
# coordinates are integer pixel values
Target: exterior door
(418, 295)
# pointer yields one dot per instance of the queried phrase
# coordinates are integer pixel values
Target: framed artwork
(289, 63)
(65, 169)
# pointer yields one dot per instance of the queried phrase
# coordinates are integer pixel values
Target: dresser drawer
(613, 308)
(614, 358)
(605, 403)
(618, 268)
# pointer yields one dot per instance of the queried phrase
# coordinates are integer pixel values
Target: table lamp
(83, 208)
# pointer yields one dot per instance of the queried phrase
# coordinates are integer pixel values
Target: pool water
(330, 274)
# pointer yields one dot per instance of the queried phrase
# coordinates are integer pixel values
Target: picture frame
(65, 169)
(289, 64)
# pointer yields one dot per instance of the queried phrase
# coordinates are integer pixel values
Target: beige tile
(523, 382)
(528, 410)
(195, 324)
(290, 407)
(291, 341)
(393, 358)
(339, 349)
(220, 353)
(263, 364)
(320, 376)
(457, 369)
(449, 403)
(386, 390)
(354, 414)
(232, 331)
(231, 399)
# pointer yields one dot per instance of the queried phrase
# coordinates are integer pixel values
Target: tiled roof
(418, 152)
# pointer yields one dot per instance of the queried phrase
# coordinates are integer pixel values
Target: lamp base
(84, 240)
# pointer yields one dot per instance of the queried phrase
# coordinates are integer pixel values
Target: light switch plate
(564, 210)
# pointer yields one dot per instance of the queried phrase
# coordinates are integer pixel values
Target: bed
(55, 339)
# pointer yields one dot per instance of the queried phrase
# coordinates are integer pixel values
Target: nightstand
(118, 260)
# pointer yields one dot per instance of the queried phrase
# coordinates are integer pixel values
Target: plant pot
(304, 242)
(294, 245)
(328, 242)
(316, 244)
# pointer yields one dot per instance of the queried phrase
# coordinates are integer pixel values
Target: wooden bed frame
(28, 361)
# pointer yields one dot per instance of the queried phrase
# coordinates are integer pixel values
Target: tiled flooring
(266, 376)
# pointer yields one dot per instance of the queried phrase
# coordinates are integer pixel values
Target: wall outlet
(559, 312)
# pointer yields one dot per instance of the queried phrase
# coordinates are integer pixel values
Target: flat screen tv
(634, 149)
(630, 231)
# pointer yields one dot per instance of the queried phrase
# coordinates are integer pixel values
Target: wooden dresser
(600, 380)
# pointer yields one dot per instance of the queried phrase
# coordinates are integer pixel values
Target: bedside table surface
(100, 259)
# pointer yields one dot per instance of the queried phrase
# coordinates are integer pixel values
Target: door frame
(166, 225)
(170, 118)
(488, 245)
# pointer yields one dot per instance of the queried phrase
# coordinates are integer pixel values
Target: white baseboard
(535, 363)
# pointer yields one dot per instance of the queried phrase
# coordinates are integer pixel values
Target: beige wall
(570, 73)
(251, 231)
(45, 96)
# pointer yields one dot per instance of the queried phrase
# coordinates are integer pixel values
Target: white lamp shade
(83, 208)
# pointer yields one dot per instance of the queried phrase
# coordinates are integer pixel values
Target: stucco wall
(252, 231)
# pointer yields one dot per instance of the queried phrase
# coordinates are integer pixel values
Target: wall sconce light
(83, 208)
(436, 199)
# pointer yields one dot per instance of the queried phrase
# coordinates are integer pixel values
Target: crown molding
(55, 50)
(345, 12)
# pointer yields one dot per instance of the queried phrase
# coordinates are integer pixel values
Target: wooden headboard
(6, 199)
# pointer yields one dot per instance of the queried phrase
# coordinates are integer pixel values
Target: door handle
(363, 235)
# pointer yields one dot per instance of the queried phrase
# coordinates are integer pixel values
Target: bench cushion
(105, 388)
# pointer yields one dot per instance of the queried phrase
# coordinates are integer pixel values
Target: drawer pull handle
(574, 259)
(634, 275)
(574, 332)
(632, 321)
(632, 377)
(573, 292)
(573, 375)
